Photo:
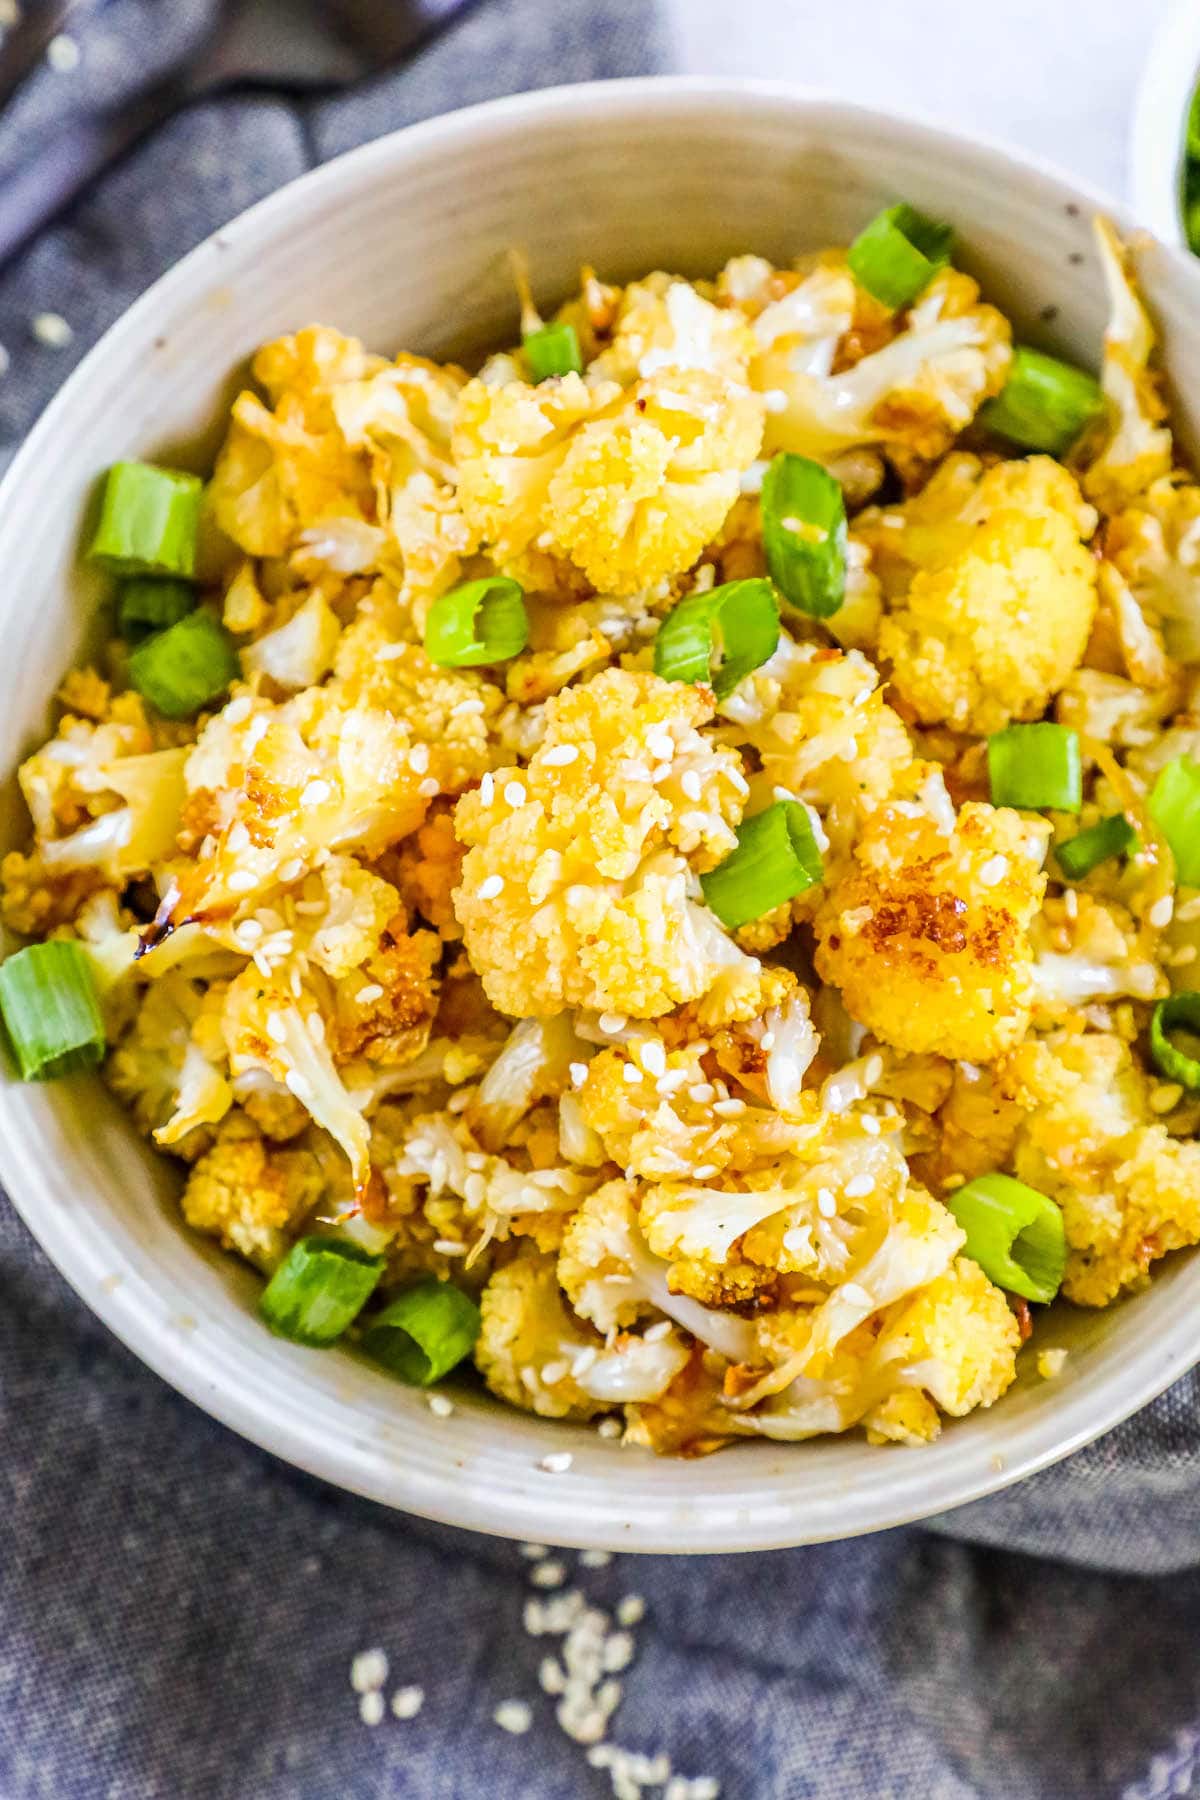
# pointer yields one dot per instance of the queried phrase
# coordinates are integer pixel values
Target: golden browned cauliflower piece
(250, 1195)
(927, 936)
(1129, 1191)
(576, 889)
(991, 588)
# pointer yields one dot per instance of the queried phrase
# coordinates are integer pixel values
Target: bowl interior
(405, 243)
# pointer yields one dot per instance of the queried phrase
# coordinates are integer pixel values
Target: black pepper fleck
(1048, 314)
(1076, 256)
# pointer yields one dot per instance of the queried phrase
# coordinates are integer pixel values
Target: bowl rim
(549, 1513)
(1156, 130)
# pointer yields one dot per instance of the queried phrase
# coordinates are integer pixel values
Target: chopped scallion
(1014, 1233)
(51, 1010)
(1180, 1012)
(319, 1289)
(149, 518)
(554, 350)
(737, 624)
(898, 254)
(804, 534)
(1079, 855)
(181, 669)
(481, 622)
(776, 859)
(152, 602)
(1175, 808)
(1044, 405)
(1036, 766)
(424, 1332)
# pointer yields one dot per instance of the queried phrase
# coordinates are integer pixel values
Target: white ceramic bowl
(1160, 119)
(404, 242)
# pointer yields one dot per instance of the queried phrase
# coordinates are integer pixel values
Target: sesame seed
(551, 1678)
(702, 1092)
(1071, 903)
(632, 1074)
(631, 1610)
(370, 1708)
(729, 1109)
(316, 793)
(618, 1652)
(548, 1574)
(368, 1671)
(578, 1072)
(767, 1041)
(63, 55)
(611, 1022)
(690, 783)
(872, 1070)
(408, 1701)
(473, 704)
(826, 1204)
(440, 1406)
(248, 932)
(533, 1552)
(52, 331)
(487, 789)
(661, 746)
(704, 1171)
(429, 787)
(449, 1247)
(610, 1428)
(368, 995)
(583, 1360)
(418, 759)
(277, 1028)
(870, 1125)
(556, 1371)
(595, 1559)
(657, 1332)
(241, 881)
(1160, 913)
(292, 869)
(654, 1057)
(859, 1186)
(559, 756)
(557, 1463)
(514, 1716)
(296, 1084)
(489, 887)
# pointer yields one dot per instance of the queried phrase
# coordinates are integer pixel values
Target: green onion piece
(737, 622)
(181, 669)
(318, 1289)
(1191, 225)
(554, 350)
(149, 518)
(482, 622)
(898, 254)
(1175, 808)
(424, 1332)
(1180, 1011)
(1044, 404)
(151, 602)
(1192, 141)
(1036, 765)
(1191, 196)
(804, 534)
(776, 858)
(1014, 1233)
(49, 1003)
(1079, 855)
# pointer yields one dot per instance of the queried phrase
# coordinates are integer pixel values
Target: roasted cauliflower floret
(913, 395)
(927, 936)
(1154, 543)
(991, 589)
(956, 1341)
(662, 323)
(249, 1195)
(169, 1065)
(1129, 1192)
(627, 486)
(1137, 447)
(581, 858)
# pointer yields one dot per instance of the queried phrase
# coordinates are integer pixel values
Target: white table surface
(1055, 77)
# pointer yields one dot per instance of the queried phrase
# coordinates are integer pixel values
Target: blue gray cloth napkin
(179, 1612)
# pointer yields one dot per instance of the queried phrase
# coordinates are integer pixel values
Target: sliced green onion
(1036, 765)
(424, 1332)
(318, 1289)
(898, 254)
(152, 602)
(149, 518)
(1192, 141)
(181, 669)
(1079, 855)
(554, 350)
(51, 1010)
(737, 623)
(482, 622)
(1191, 194)
(1181, 1011)
(1044, 404)
(804, 534)
(776, 859)
(1175, 808)
(1014, 1233)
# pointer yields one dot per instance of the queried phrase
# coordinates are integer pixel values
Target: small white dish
(1159, 123)
(405, 242)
